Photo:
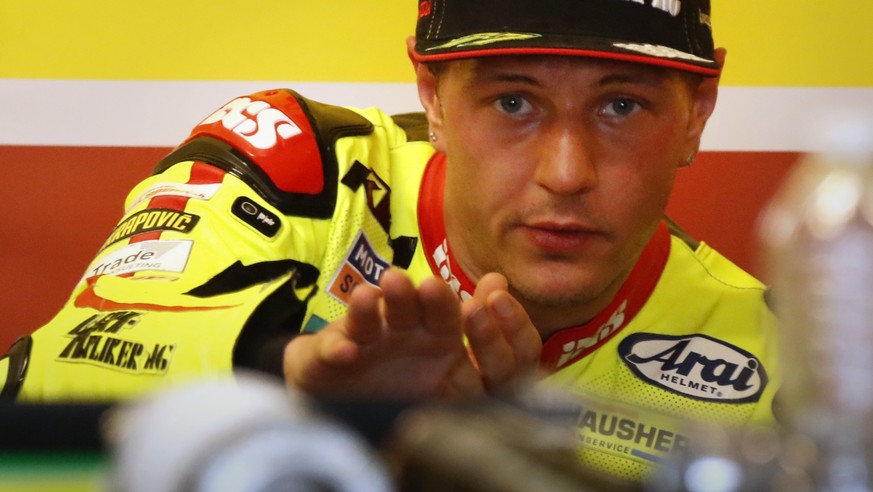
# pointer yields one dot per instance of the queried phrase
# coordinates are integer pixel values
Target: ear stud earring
(690, 159)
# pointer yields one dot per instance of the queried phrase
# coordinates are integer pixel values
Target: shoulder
(284, 146)
(701, 289)
(703, 292)
(705, 297)
(701, 262)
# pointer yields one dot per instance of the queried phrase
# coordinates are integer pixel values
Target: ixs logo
(162, 256)
(258, 123)
(97, 341)
(696, 366)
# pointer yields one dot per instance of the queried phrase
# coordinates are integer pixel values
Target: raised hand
(404, 342)
(395, 342)
(504, 344)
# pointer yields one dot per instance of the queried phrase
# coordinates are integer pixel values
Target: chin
(559, 292)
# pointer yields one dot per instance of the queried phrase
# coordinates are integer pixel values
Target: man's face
(559, 169)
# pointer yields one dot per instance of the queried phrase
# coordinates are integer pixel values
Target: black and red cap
(669, 33)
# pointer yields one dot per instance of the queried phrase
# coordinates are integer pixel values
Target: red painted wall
(58, 204)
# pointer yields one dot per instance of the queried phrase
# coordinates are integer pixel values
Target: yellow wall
(770, 42)
(302, 40)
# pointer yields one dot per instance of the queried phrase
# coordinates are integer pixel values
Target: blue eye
(512, 104)
(621, 107)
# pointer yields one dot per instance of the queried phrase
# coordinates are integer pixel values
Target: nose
(566, 165)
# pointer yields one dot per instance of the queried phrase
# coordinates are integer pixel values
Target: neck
(550, 318)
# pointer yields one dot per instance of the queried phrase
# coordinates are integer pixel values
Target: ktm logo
(258, 123)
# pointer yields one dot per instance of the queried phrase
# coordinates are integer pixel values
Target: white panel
(160, 114)
(779, 118)
(152, 114)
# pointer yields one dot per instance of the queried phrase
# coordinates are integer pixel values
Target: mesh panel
(344, 226)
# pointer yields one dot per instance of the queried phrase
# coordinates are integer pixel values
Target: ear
(703, 99)
(428, 95)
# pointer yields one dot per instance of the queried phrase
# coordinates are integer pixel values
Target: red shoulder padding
(271, 129)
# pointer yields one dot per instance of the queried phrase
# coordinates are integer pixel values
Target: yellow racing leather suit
(256, 228)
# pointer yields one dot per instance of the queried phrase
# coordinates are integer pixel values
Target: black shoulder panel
(221, 148)
(414, 124)
(19, 357)
(677, 230)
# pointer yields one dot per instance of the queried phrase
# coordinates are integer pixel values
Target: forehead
(537, 66)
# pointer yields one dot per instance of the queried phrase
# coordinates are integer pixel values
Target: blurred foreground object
(254, 435)
(247, 435)
(818, 235)
(526, 444)
(725, 459)
(818, 232)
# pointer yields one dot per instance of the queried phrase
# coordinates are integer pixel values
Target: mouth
(560, 238)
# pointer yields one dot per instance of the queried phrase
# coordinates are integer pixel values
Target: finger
(364, 318)
(492, 353)
(440, 309)
(401, 301)
(310, 359)
(464, 381)
(517, 330)
(334, 349)
(503, 340)
(490, 282)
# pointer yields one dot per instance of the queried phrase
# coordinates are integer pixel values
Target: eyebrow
(632, 77)
(629, 76)
(504, 76)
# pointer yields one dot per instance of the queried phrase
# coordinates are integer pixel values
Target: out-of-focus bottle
(818, 237)
(249, 434)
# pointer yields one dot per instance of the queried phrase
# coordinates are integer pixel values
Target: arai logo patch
(696, 366)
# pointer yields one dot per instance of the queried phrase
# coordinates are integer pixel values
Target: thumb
(489, 283)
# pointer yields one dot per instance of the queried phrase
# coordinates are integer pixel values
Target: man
(516, 233)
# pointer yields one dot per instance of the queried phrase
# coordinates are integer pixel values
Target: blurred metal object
(818, 233)
(493, 445)
(721, 458)
(244, 435)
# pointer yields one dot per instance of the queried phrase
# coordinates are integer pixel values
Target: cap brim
(647, 54)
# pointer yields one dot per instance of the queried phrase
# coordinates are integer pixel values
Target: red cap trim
(646, 60)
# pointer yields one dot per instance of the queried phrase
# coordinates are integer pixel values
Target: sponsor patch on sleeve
(101, 341)
(151, 220)
(155, 255)
(696, 366)
(361, 264)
